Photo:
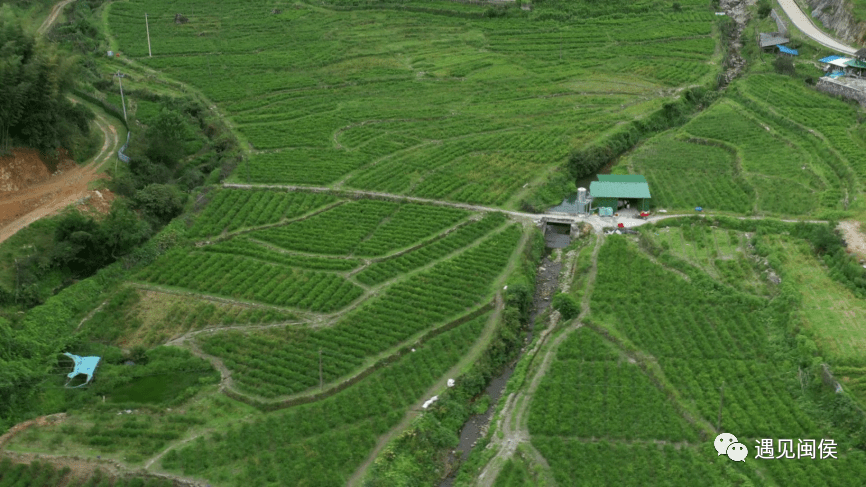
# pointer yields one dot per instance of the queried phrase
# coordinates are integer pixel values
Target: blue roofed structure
(829, 59)
(788, 50)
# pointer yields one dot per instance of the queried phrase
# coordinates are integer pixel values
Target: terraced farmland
(416, 103)
(285, 361)
(774, 145)
(331, 319)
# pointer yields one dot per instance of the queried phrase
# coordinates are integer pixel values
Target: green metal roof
(856, 63)
(618, 189)
(622, 178)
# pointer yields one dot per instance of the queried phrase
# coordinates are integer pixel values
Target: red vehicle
(621, 225)
(644, 214)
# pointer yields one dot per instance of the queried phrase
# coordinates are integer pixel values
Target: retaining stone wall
(833, 87)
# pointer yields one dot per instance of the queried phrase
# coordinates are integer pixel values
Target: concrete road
(804, 23)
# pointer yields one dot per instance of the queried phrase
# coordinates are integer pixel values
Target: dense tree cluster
(33, 79)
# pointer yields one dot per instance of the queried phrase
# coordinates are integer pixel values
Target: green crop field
(285, 361)
(592, 392)
(44, 475)
(699, 339)
(231, 210)
(307, 306)
(777, 146)
(322, 443)
(687, 174)
(687, 311)
(244, 278)
(417, 103)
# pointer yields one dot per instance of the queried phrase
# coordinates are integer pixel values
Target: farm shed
(611, 189)
(766, 40)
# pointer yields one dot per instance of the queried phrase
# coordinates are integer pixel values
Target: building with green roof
(610, 188)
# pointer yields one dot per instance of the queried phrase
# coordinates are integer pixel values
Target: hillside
(355, 267)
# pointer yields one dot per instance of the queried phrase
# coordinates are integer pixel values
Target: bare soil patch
(22, 169)
(854, 237)
(47, 196)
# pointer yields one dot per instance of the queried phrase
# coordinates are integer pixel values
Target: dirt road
(21, 208)
(804, 23)
(52, 17)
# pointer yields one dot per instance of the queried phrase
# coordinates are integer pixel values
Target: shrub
(567, 305)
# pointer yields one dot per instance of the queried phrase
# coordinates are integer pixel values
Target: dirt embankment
(37, 194)
(26, 187)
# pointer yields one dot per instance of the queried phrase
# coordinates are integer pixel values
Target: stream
(546, 284)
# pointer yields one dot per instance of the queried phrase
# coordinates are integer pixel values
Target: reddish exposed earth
(28, 192)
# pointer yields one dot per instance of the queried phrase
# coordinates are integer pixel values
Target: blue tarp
(698, 208)
(829, 59)
(837, 74)
(83, 365)
(787, 50)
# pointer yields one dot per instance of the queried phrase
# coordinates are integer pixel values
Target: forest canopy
(34, 78)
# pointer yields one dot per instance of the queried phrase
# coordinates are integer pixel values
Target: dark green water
(154, 389)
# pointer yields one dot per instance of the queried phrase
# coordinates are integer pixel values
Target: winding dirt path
(23, 207)
(52, 17)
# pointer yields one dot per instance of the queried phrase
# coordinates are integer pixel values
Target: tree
(16, 51)
(566, 305)
(145, 171)
(121, 231)
(166, 136)
(84, 245)
(33, 80)
(764, 8)
(160, 201)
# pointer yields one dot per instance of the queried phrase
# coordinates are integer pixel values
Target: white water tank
(581, 195)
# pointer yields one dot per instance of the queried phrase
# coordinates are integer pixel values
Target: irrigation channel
(546, 284)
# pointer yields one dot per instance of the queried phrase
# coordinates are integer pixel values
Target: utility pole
(321, 378)
(122, 99)
(147, 27)
(721, 402)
